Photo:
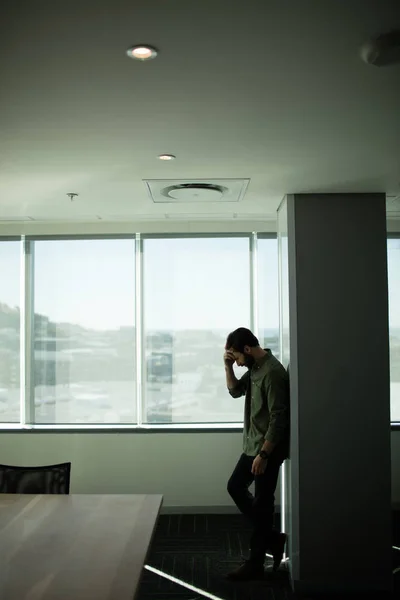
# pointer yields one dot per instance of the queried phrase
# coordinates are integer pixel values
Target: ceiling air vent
(197, 190)
(393, 204)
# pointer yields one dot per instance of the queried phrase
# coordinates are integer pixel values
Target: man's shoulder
(274, 370)
(269, 365)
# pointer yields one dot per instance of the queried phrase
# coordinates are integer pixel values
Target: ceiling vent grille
(169, 191)
(393, 204)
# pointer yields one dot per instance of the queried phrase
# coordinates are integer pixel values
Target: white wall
(393, 225)
(166, 226)
(126, 228)
(189, 469)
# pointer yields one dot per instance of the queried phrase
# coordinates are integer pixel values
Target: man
(265, 445)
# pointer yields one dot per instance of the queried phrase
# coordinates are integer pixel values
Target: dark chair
(50, 479)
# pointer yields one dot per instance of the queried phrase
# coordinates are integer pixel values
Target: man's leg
(238, 485)
(238, 488)
(260, 510)
(264, 536)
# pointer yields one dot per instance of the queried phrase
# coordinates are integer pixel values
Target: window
(283, 252)
(10, 258)
(196, 290)
(394, 325)
(81, 332)
(84, 331)
(268, 294)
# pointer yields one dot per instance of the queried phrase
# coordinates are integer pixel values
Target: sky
(189, 283)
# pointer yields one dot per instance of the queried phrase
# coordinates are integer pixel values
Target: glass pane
(394, 325)
(268, 294)
(196, 290)
(10, 258)
(84, 331)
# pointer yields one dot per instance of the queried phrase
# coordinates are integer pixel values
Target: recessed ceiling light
(167, 157)
(142, 52)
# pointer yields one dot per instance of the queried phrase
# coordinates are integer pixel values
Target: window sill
(131, 428)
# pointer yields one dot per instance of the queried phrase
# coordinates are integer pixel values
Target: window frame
(394, 425)
(20, 239)
(264, 236)
(26, 359)
(190, 427)
(26, 424)
(28, 393)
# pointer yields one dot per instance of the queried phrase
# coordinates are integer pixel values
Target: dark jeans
(260, 507)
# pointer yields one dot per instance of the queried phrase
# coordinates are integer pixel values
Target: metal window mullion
(283, 482)
(22, 377)
(26, 343)
(254, 284)
(280, 295)
(139, 327)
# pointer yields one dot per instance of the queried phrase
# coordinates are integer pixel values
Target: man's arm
(277, 393)
(236, 387)
(239, 386)
(231, 379)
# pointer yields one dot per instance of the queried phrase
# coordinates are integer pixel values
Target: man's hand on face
(229, 358)
(259, 465)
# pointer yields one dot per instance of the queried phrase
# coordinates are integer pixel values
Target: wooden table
(78, 547)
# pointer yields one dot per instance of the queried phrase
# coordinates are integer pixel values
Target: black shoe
(278, 550)
(246, 572)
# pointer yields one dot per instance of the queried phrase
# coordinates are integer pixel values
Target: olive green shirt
(266, 411)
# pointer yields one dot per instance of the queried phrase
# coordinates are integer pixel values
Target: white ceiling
(270, 90)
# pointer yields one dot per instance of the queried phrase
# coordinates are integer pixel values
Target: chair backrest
(50, 479)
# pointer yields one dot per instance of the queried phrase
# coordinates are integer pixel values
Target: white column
(339, 473)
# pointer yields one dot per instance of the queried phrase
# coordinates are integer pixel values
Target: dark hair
(240, 338)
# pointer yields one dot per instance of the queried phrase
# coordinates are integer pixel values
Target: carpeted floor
(200, 549)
